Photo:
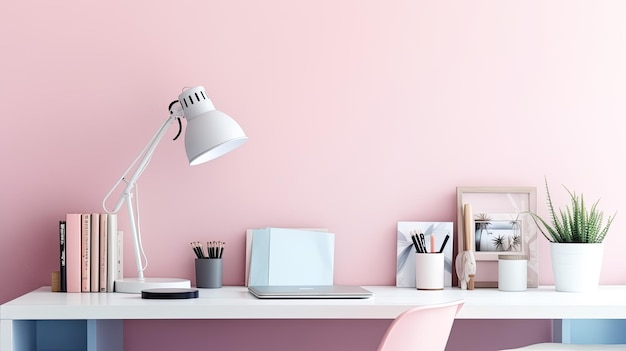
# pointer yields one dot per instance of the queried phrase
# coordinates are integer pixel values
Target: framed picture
(501, 225)
(405, 255)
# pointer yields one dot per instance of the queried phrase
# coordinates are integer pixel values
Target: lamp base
(135, 285)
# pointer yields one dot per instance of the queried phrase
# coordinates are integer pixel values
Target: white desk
(100, 316)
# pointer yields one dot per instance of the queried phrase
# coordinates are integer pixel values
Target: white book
(104, 244)
(114, 252)
(119, 268)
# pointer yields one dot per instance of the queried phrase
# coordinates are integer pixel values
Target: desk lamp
(209, 134)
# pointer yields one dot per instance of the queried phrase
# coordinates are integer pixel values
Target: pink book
(73, 251)
(94, 242)
(85, 252)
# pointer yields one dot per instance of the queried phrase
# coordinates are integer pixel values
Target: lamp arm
(125, 198)
(146, 152)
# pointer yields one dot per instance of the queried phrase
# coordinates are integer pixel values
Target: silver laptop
(310, 292)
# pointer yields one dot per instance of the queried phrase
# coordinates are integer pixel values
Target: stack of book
(91, 256)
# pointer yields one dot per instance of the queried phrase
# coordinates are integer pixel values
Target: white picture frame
(501, 204)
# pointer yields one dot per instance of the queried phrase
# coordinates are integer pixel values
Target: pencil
(432, 243)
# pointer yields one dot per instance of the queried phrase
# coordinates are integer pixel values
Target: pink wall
(359, 113)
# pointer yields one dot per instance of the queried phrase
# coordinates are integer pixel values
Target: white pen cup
(429, 269)
(209, 273)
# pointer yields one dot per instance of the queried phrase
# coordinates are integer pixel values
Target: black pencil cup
(209, 273)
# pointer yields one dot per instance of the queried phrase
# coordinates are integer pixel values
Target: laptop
(310, 292)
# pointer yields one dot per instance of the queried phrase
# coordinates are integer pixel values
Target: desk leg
(17, 335)
(105, 335)
(6, 335)
(27, 335)
(593, 331)
(561, 331)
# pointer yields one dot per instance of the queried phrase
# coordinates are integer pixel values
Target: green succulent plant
(574, 224)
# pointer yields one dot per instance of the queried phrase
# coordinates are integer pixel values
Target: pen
(423, 242)
(418, 241)
(415, 244)
(445, 241)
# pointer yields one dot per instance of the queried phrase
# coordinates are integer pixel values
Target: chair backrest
(421, 328)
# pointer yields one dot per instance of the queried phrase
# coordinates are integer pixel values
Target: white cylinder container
(429, 271)
(512, 272)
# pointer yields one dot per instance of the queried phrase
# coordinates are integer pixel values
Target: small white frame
(514, 203)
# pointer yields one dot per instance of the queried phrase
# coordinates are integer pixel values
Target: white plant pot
(576, 266)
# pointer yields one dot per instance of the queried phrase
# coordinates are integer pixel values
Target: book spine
(73, 252)
(104, 232)
(111, 252)
(119, 265)
(86, 248)
(94, 257)
(62, 258)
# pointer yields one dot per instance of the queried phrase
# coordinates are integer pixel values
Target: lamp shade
(210, 133)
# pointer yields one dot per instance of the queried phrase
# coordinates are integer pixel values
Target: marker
(445, 241)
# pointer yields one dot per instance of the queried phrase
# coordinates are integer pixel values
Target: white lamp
(209, 134)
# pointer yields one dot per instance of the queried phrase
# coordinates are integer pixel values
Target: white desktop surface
(608, 302)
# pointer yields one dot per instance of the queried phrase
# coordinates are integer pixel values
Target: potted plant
(576, 234)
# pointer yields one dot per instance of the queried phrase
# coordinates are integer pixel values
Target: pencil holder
(209, 273)
(429, 271)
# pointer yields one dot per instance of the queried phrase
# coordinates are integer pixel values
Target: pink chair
(421, 328)
(549, 346)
